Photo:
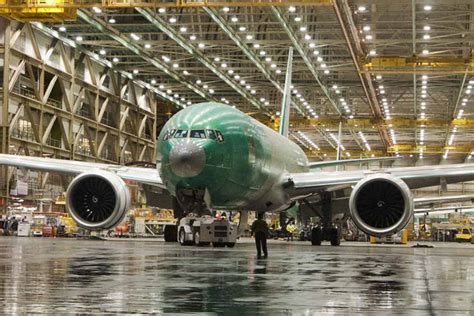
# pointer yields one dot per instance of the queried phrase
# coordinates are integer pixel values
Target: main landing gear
(327, 230)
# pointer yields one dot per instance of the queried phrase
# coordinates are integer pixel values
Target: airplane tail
(285, 105)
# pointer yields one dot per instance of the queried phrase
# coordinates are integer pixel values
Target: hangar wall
(62, 103)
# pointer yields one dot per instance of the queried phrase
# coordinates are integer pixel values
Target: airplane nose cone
(187, 159)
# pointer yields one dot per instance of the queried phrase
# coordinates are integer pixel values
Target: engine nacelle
(381, 204)
(98, 200)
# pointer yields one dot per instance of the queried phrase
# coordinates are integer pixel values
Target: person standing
(260, 229)
(290, 228)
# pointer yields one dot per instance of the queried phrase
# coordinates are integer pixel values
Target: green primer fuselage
(241, 173)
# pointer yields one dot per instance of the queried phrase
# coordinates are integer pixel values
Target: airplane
(214, 156)
(211, 156)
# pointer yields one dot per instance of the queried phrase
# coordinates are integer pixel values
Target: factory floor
(58, 276)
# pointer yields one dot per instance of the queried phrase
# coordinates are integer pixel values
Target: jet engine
(381, 204)
(97, 200)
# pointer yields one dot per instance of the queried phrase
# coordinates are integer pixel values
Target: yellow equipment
(464, 234)
(398, 238)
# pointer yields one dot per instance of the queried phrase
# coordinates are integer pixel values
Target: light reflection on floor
(64, 275)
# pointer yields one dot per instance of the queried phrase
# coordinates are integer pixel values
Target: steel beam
(296, 43)
(248, 52)
(198, 54)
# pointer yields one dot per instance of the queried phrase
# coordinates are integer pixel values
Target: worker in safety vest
(290, 228)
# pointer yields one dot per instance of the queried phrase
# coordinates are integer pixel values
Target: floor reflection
(58, 276)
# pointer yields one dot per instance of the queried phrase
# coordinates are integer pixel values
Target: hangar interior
(97, 83)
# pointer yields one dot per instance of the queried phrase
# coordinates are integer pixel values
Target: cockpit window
(211, 134)
(169, 134)
(220, 137)
(198, 133)
(181, 133)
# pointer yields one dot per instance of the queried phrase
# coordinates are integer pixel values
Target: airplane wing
(142, 175)
(330, 163)
(414, 177)
(442, 199)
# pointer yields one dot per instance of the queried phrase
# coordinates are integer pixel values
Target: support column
(5, 25)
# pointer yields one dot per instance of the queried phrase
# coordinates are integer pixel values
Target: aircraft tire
(170, 233)
(316, 236)
(335, 238)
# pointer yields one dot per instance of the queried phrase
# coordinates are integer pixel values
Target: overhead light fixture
(263, 53)
(173, 20)
(427, 7)
(147, 46)
(256, 45)
(268, 59)
(372, 52)
(135, 71)
(201, 45)
(426, 36)
(112, 21)
(236, 77)
(297, 19)
(165, 58)
(192, 37)
(326, 71)
(79, 38)
(369, 37)
(175, 65)
(292, 9)
(135, 36)
(225, 9)
(183, 29)
(312, 45)
(424, 77)
(161, 10)
(234, 19)
(242, 28)
(378, 77)
(278, 71)
(102, 52)
(366, 28)
(316, 52)
(303, 28)
(425, 52)
(97, 10)
(426, 27)
(185, 72)
(62, 28)
(361, 8)
(224, 65)
(230, 71)
(153, 81)
(115, 60)
(307, 37)
(249, 37)
(319, 59)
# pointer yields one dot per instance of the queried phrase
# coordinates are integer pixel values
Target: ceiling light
(236, 77)
(217, 59)
(198, 81)
(312, 45)
(366, 28)
(192, 37)
(97, 10)
(249, 37)
(427, 8)
(135, 71)
(362, 8)
(211, 91)
(424, 77)
(268, 59)
(62, 28)
(135, 36)
(224, 65)
(173, 20)
(319, 59)
(372, 52)
(225, 9)
(102, 52)
(201, 45)
(307, 37)
(326, 71)
(253, 91)
(323, 65)
(162, 10)
(230, 71)
(425, 52)
(79, 38)
(278, 71)
(242, 82)
(316, 52)
(242, 28)
(234, 19)
(183, 29)
(426, 27)
(273, 65)
(426, 36)
(147, 45)
(185, 72)
(292, 9)
(378, 77)
(175, 66)
(263, 53)
(369, 37)
(298, 19)
(205, 86)
(161, 86)
(115, 60)
(112, 20)
(303, 29)
(165, 58)
(256, 45)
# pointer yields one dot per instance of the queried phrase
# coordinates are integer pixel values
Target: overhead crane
(63, 10)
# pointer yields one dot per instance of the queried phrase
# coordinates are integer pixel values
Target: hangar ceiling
(397, 74)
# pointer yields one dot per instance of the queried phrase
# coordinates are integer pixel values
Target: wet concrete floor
(63, 276)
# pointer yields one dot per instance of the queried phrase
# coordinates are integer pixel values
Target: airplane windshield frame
(213, 134)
